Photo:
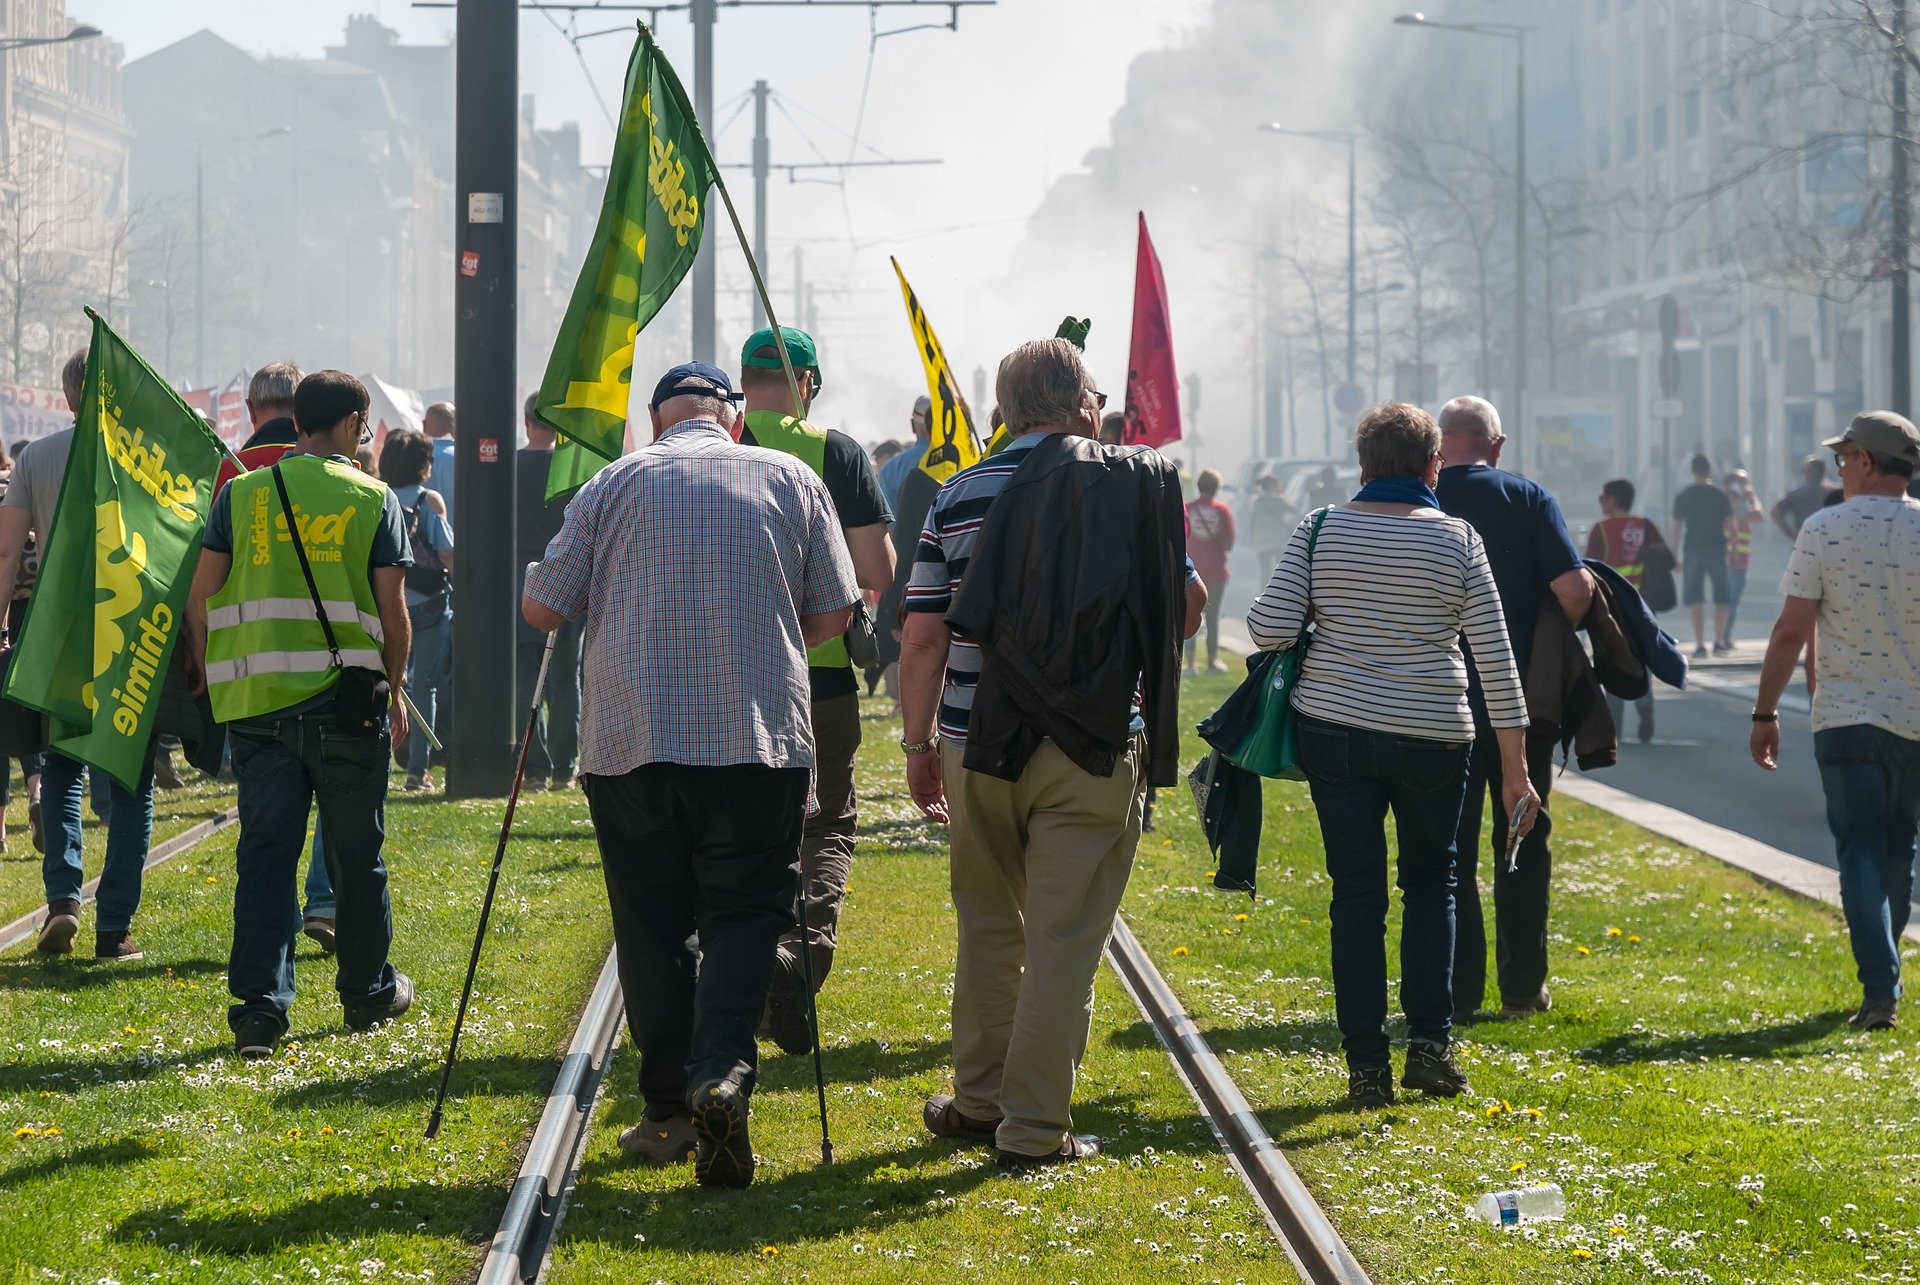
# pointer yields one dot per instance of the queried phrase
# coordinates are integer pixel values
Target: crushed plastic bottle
(1524, 1205)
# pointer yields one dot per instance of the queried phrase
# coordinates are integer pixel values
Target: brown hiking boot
(61, 926)
(670, 1141)
(944, 1119)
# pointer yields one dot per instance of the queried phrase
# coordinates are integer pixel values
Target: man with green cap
(826, 851)
(1852, 583)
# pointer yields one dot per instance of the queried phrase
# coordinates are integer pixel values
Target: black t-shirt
(857, 501)
(536, 521)
(1704, 508)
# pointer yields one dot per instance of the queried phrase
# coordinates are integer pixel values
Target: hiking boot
(787, 1015)
(944, 1119)
(61, 926)
(362, 1017)
(320, 929)
(256, 1035)
(38, 827)
(724, 1154)
(165, 774)
(660, 1142)
(1526, 1008)
(1369, 1087)
(1077, 1146)
(1875, 1015)
(1431, 1069)
(116, 948)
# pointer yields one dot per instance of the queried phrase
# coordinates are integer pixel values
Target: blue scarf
(1398, 490)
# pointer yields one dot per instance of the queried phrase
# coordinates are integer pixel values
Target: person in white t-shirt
(1855, 574)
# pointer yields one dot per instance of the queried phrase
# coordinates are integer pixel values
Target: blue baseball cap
(693, 379)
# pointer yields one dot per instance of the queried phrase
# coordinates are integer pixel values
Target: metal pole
(1519, 412)
(199, 261)
(1353, 258)
(706, 343)
(761, 171)
(485, 578)
(1902, 372)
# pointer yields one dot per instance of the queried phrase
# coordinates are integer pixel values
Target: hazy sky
(1019, 95)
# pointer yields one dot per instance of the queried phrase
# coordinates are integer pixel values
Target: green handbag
(1268, 749)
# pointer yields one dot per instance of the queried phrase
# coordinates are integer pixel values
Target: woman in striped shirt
(1382, 722)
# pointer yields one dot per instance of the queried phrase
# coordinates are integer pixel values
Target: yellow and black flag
(952, 444)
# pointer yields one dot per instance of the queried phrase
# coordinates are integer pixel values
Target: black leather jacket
(1076, 593)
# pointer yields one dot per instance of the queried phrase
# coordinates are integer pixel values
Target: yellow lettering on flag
(952, 444)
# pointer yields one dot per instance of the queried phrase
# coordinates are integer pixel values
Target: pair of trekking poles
(486, 911)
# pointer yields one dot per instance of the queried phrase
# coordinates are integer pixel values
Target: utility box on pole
(486, 580)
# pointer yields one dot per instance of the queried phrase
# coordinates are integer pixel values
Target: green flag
(106, 611)
(651, 221)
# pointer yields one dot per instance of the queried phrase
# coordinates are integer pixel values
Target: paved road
(1698, 760)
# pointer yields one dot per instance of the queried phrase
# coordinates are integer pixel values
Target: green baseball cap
(1883, 433)
(800, 349)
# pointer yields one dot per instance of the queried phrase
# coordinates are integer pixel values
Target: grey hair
(1043, 381)
(1891, 465)
(1395, 440)
(73, 379)
(272, 385)
(1472, 415)
(698, 406)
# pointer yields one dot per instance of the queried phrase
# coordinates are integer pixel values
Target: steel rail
(1315, 1248)
(161, 853)
(538, 1198)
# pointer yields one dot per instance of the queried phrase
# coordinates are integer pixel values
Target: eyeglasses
(366, 428)
(1099, 399)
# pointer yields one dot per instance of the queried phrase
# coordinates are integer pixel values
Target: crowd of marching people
(714, 598)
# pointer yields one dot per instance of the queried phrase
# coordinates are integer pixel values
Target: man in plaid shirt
(696, 740)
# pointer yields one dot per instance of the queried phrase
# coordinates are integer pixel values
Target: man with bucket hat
(1853, 584)
(826, 852)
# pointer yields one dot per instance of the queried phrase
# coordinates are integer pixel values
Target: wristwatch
(1772, 717)
(914, 748)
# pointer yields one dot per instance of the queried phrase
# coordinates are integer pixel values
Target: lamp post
(200, 239)
(81, 32)
(1374, 292)
(1518, 35)
(1352, 140)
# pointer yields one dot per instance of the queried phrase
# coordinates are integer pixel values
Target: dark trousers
(697, 850)
(1355, 776)
(1519, 897)
(284, 766)
(826, 844)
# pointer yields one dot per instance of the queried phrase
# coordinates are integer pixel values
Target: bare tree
(42, 215)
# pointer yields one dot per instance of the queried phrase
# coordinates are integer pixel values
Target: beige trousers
(1039, 867)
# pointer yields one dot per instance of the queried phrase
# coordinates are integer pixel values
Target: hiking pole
(493, 883)
(813, 1020)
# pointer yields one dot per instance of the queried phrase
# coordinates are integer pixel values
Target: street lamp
(81, 32)
(1507, 31)
(1352, 140)
(200, 238)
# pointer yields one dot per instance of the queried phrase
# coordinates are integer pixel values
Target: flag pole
(759, 284)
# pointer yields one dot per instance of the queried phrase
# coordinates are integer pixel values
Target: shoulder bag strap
(1313, 542)
(299, 550)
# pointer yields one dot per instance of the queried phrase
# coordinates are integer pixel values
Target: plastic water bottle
(1525, 1205)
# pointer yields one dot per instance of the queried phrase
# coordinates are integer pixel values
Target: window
(1692, 116)
(1629, 138)
(1602, 154)
(1657, 128)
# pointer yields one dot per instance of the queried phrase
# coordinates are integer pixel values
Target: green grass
(898, 1205)
(135, 1147)
(21, 889)
(1695, 1089)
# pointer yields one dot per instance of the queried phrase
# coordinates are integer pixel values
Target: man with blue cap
(826, 851)
(703, 569)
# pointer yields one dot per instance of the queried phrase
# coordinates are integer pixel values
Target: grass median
(134, 1146)
(898, 1205)
(21, 889)
(1695, 1089)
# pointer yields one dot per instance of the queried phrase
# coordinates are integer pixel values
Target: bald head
(438, 421)
(1470, 431)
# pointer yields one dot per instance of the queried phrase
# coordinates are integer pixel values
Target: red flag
(1153, 389)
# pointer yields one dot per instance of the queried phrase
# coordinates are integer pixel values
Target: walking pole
(493, 882)
(813, 1020)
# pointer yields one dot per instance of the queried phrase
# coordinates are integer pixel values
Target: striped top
(1390, 598)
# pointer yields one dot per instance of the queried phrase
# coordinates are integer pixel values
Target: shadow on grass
(1226, 1041)
(416, 1209)
(98, 1155)
(68, 973)
(416, 1082)
(1782, 1039)
(861, 1061)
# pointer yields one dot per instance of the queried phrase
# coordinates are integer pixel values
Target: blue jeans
(284, 766)
(129, 830)
(556, 736)
(1736, 589)
(429, 668)
(1872, 780)
(320, 903)
(1355, 776)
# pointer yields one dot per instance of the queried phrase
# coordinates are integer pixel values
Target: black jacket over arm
(1075, 592)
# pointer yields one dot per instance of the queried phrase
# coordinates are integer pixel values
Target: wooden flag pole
(759, 284)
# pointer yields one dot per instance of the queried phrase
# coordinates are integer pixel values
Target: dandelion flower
(768, 1251)
(1618, 1231)
(1519, 1166)
(1536, 1113)
(212, 879)
(1613, 932)
(294, 1133)
(1583, 1253)
(26, 1131)
(129, 1031)
(1179, 951)
(1582, 950)
(326, 1131)
(1166, 843)
(1633, 937)
(1240, 919)
(51, 1131)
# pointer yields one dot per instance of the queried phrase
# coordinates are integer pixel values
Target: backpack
(428, 574)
